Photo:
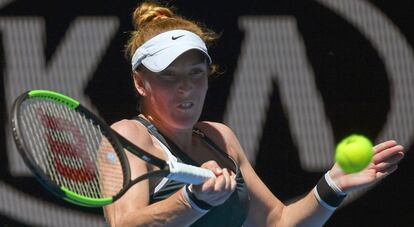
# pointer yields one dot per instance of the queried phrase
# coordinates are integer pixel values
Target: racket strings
(53, 141)
(71, 149)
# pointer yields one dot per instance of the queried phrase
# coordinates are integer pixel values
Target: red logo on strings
(75, 152)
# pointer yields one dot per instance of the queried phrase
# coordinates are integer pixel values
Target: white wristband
(191, 202)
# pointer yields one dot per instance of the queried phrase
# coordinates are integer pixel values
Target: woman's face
(175, 96)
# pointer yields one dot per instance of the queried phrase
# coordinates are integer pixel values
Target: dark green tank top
(231, 213)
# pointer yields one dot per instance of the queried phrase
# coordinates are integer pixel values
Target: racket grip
(188, 174)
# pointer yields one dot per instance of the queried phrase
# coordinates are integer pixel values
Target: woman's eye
(167, 75)
(197, 72)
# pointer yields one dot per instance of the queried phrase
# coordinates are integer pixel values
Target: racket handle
(188, 174)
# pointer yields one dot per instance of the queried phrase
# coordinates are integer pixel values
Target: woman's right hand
(215, 191)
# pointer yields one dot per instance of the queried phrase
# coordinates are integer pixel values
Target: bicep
(264, 207)
(137, 196)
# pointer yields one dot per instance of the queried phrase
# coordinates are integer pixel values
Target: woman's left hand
(386, 157)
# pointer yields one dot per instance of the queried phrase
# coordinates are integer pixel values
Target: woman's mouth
(186, 105)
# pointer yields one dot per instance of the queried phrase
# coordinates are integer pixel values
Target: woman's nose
(185, 84)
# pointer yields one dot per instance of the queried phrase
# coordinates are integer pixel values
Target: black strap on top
(234, 209)
(176, 151)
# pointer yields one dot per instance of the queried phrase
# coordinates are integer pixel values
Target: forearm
(173, 211)
(317, 206)
(305, 212)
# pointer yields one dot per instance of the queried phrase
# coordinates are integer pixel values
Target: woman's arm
(133, 208)
(267, 210)
(387, 155)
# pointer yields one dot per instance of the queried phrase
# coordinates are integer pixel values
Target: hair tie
(159, 15)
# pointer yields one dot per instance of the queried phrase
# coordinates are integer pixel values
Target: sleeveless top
(231, 213)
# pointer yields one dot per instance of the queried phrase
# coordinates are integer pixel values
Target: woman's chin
(185, 122)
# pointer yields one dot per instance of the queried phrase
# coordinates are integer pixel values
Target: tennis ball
(354, 153)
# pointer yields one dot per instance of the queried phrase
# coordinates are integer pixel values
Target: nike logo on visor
(176, 37)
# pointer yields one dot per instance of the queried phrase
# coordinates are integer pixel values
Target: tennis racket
(77, 156)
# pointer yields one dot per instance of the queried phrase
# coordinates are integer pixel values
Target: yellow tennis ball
(354, 153)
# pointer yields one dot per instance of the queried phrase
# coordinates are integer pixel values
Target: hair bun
(149, 11)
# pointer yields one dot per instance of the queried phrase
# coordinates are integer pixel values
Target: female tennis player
(170, 68)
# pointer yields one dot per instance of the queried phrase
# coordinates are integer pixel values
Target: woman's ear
(139, 83)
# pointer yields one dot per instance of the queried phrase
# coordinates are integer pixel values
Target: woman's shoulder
(127, 126)
(133, 131)
(220, 134)
(212, 124)
(213, 129)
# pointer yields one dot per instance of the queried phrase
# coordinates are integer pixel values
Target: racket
(77, 156)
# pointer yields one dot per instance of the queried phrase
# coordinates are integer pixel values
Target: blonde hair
(151, 18)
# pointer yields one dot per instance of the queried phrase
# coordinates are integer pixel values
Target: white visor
(159, 52)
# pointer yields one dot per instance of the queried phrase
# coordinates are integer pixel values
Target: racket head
(71, 151)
